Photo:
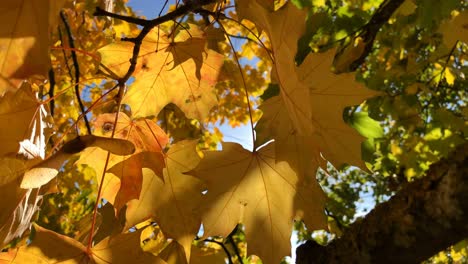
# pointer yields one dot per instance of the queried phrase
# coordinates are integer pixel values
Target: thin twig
(340, 225)
(101, 184)
(244, 84)
(71, 42)
(233, 243)
(51, 91)
(224, 248)
(217, 16)
(57, 144)
(236, 249)
(65, 57)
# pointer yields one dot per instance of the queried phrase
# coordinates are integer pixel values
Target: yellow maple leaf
(24, 39)
(174, 254)
(300, 151)
(21, 195)
(41, 172)
(24, 124)
(455, 28)
(254, 189)
(18, 207)
(313, 96)
(173, 202)
(50, 247)
(182, 72)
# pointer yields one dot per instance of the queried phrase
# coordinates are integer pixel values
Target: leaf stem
(98, 198)
(244, 84)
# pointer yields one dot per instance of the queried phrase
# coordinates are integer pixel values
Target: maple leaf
(149, 141)
(50, 247)
(302, 152)
(44, 171)
(37, 172)
(264, 194)
(11, 169)
(173, 202)
(18, 207)
(455, 29)
(24, 39)
(24, 124)
(312, 95)
(143, 133)
(182, 72)
(174, 254)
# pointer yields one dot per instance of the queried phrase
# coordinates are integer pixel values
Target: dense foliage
(112, 124)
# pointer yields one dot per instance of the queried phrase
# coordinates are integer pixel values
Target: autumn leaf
(348, 54)
(149, 141)
(37, 172)
(24, 39)
(189, 45)
(312, 95)
(123, 248)
(50, 247)
(174, 254)
(263, 194)
(11, 169)
(46, 170)
(202, 65)
(182, 72)
(18, 207)
(145, 134)
(302, 152)
(24, 123)
(455, 28)
(172, 203)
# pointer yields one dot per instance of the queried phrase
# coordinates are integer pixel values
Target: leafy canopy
(110, 123)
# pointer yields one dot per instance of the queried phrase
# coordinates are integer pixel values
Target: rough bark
(425, 217)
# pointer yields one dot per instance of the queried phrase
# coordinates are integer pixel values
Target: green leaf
(365, 125)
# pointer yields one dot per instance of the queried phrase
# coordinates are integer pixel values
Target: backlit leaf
(174, 202)
(23, 123)
(46, 170)
(182, 72)
(263, 194)
(50, 247)
(24, 39)
(312, 95)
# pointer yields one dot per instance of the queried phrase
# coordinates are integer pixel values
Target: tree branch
(425, 217)
(370, 30)
(71, 42)
(51, 91)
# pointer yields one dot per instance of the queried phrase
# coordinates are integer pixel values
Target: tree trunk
(425, 217)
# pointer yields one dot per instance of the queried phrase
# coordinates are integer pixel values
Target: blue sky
(147, 8)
